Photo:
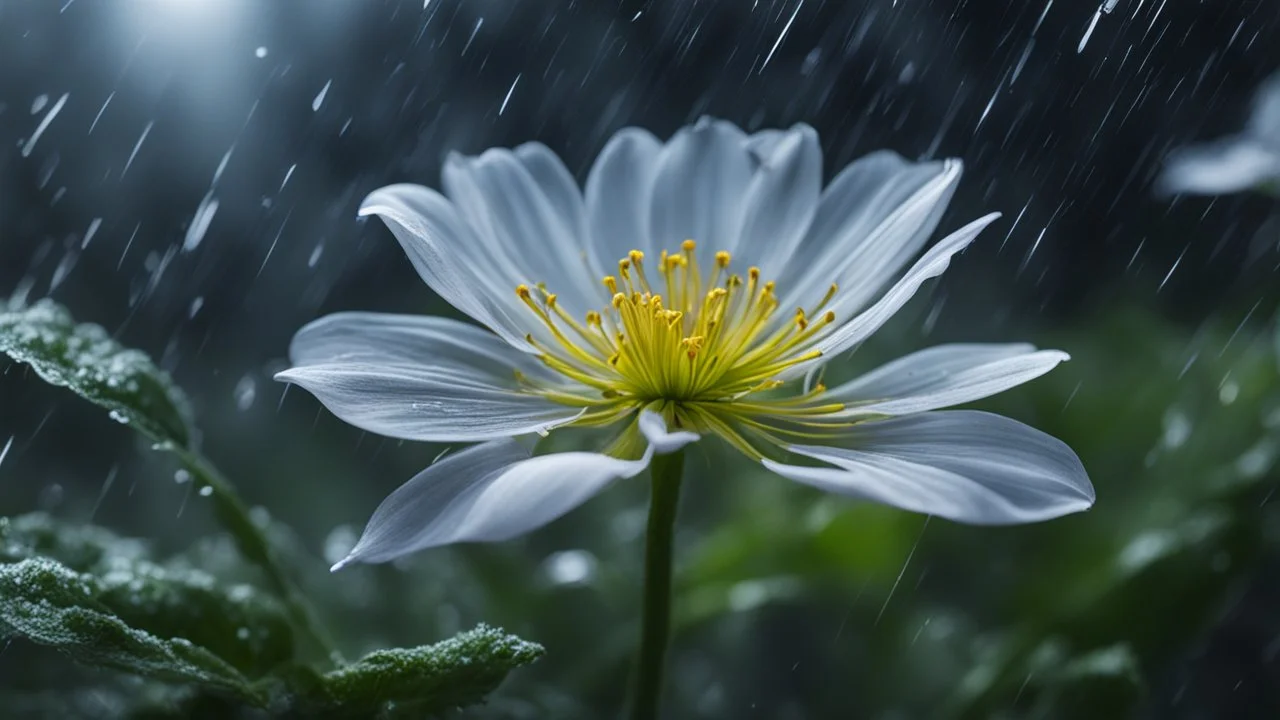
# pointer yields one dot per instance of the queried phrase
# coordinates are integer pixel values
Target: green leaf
(86, 360)
(238, 623)
(420, 681)
(50, 604)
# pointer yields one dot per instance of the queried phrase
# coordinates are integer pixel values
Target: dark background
(1064, 136)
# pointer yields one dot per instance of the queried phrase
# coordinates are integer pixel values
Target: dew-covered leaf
(86, 360)
(418, 682)
(238, 623)
(50, 604)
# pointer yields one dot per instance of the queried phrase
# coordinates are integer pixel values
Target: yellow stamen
(704, 350)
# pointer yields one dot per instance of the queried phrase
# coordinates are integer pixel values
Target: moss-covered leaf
(86, 360)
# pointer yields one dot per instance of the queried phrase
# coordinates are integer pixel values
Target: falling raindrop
(315, 104)
(245, 392)
(200, 222)
(570, 567)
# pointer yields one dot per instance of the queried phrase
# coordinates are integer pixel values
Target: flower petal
(782, 197)
(699, 187)
(426, 402)
(445, 252)
(412, 340)
(618, 197)
(942, 376)
(1225, 166)
(485, 493)
(663, 442)
(528, 236)
(873, 217)
(930, 265)
(967, 466)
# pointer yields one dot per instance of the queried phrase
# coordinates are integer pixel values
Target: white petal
(763, 143)
(971, 467)
(782, 197)
(930, 265)
(409, 340)
(485, 493)
(701, 182)
(873, 218)
(445, 252)
(437, 403)
(942, 376)
(529, 236)
(663, 442)
(618, 196)
(1225, 166)
(1264, 122)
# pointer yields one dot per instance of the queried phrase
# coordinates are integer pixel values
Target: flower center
(677, 334)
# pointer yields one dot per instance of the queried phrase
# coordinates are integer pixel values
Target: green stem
(252, 543)
(655, 629)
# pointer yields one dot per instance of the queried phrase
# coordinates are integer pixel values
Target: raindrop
(51, 496)
(136, 147)
(570, 567)
(1177, 429)
(182, 477)
(206, 491)
(510, 90)
(48, 118)
(195, 307)
(338, 543)
(315, 104)
(908, 74)
(261, 52)
(88, 234)
(315, 255)
(245, 392)
(38, 104)
(1228, 393)
(200, 223)
(811, 61)
(63, 269)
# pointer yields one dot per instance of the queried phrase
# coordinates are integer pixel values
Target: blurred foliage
(103, 601)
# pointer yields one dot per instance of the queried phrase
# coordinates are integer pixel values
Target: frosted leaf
(424, 680)
(86, 360)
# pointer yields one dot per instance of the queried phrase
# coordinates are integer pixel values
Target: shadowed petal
(971, 467)
(527, 214)
(700, 186)
(619, 191)
(782, 197)
(443, 249)
(486, 493)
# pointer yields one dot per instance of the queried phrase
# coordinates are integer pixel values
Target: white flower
(1249, 160)
(595, 309)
